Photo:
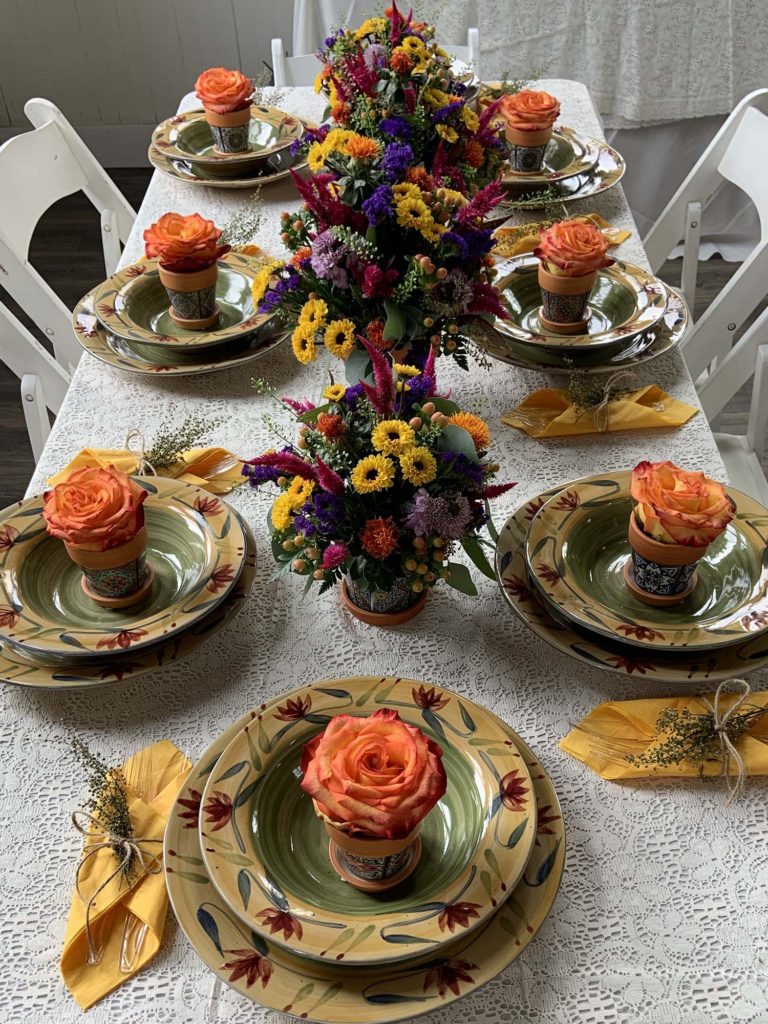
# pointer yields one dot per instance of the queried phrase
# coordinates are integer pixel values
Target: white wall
(118, 67)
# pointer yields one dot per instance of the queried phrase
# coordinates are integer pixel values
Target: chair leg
(758, 409)
(733, 369)
(35, 413)
(690, 271)
(110, 241)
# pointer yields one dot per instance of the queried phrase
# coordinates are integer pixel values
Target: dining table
(660, 917)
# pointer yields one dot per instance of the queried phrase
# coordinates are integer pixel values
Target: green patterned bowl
(625, 302)
(577, 547)
(267, 851)
(196, 547)
(133, 304)
(566, 155)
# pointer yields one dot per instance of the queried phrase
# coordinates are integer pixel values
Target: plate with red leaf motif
(333, 992)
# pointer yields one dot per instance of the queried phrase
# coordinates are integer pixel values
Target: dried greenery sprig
(107, 799)
(264, 93)
(243, 225)
(172, 441)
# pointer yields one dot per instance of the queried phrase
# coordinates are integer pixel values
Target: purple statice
(378, 205)
(464, 467)
(418, 513)
(351, 395)
(261, 474)
(419, 390)
(323, 514)
(287, 282)
(309, 136)
(398, 157)
(448, 516)
(471, 244)
(445, 112)
(396, 127)
(328, 252)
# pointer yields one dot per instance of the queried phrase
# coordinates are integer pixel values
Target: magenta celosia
(335, 555)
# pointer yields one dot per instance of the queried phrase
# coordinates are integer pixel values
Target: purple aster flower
(378, 205)
(461, 465)
(327, 254)
(398, 156)
(396, 126)
(309, 136)
(447, 516)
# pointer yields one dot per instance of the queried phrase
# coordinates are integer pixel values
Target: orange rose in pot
(377, 776)
(573, 248)
(675, 506)
(529, 111)
(101, 508)
(184, 243)
(223, 91)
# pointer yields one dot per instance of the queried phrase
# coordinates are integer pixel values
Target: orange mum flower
(473, 153)
(421, 177)
(401, 62)
(374, 332)
(476, 427)
(379, 537)
(301, 254)
(361, 148)
(330, 425)
(340, 113)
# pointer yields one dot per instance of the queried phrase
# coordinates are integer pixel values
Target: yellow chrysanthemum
(339, 338)
(299, 491)
(436, 98)
(373, 473)
(320, 78)
(281, 512)
(261, 280)
(414, 47)
(392, 436)
(303, 343)
(316, 157)
(418, 466)
(413, 213)
(336, 140)
(432, 231)
(475, 426)
(470, 118)
(371, 27)
(446, 132)
(406, 189)
(334, 392)
(404, 370)
(313, 314)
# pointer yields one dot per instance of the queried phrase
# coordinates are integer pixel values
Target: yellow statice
(334, 392)
(373, 473)
(303, 343)
(313, 314)
(261, 280)
(339, 338)
(390, 437)
(281, 512)
(371, 27)
(299, 491)
(418, 466)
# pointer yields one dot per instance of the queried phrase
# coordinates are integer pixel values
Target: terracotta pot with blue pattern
(527, 149)
(231, 130)
(193, 296)
(370, 862)
(382, 607)
(564, 301)
(660, 574)
(118, 577)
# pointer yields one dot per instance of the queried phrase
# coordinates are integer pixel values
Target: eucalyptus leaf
(460, 579)
(395, 327)
(457, 439)
(476, 553)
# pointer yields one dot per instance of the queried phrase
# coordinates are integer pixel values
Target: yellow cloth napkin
(548, 413)
(511, 241)
(158, 771)
(214, 469)
(612, 730)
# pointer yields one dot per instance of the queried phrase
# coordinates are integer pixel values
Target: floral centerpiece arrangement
(529, 117)
(373, 781)
(570, 254)
(99, 515)
(187, 250)
(386, 479)
(226, 98)
(677, 514)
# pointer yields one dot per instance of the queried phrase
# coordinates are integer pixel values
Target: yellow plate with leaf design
(333, 993)
(196, 547)
(267, 851)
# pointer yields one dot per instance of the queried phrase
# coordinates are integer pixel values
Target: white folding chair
(303, 69)
(743, 453)
(36, 170)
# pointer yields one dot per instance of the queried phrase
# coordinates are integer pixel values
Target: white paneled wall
(117, 67)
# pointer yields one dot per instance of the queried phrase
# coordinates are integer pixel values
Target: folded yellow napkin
(514, 241)
(214, 469)
(158, 771)
(612, 730)
(548, 413)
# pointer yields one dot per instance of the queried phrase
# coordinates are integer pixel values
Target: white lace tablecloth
(661, 915)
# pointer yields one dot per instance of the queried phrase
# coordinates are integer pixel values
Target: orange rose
(573, 248)
(529, 111)
(378, 776)
(223, 91)
(98, 507)
(184, 243)
(675, 506)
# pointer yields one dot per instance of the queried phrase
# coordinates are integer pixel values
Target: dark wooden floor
(66, 251)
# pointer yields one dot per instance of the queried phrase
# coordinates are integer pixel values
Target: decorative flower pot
(230, 131)
(660, 574)
(193, 296)
(117, 577)
(370, 863)
(527, 149)
(564, 301)
(382, 607)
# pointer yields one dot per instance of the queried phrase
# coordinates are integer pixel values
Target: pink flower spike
(381, 396)
(496, 490)
(287, 463)
(335, 555)
(298, 405)
(329, 479)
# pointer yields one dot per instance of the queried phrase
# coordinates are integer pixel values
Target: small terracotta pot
(564, 301)
(660, 574)
(230, 131)
(527, 149)
(193, 296)
(382, 607)
(370, 863)
(117, 577)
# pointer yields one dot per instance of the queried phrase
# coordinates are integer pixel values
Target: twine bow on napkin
(722, 719)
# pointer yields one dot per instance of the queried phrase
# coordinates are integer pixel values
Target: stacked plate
(574, 167)
(253, 888)
(183, 148)
(634, 317)
(53, 636)
(560, 561)
(126, 322)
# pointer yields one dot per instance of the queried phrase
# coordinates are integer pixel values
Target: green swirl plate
(333, 992)
(475, 844)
